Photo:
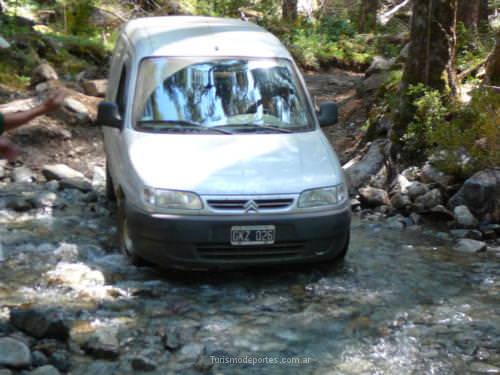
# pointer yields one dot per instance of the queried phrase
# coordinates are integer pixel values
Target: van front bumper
(201, 242)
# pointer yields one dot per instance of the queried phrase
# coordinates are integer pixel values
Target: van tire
(340, 256)
(124, 242)
(110, 188)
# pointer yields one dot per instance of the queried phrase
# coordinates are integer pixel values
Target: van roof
(201, 36)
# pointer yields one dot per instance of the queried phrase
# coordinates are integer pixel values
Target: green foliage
(77, 14)
(471, 140)
(472, 48)
(430, 112)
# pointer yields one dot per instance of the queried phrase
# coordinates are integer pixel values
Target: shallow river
(403, 302)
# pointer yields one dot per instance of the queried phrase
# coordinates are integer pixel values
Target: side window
(121, 94)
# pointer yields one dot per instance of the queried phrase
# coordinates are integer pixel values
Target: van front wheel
(124, 241)
(110, 188)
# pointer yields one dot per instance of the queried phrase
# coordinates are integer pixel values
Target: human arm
(16, 119)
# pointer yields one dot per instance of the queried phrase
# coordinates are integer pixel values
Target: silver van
(215, 154)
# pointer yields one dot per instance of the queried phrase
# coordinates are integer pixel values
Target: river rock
(14, 353)
(430, 174)
(467, 233)
(470, 246)
(96, 87)
(23, 174)
(415, 189)
(45, 199)
(400, 201)
(76, 183)
(190, 352)
(373, 197)
(464, 217)
(19, 204)
(41, 323)
(429, 200)
(60, 172)
(103, 344)
(141, 363)
(76, 275)
(411, 173)
(43, 72)
(360, 172)
(481, 194)
(483, 368)
(45, 370)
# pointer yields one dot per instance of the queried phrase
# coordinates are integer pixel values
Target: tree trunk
(289, 9)
(484, 12)
(493, 66)
(368, 15)
(468, 13)
(430, 56)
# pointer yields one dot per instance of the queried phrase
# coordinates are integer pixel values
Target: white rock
(77, 275)
(464, 217)
(45, 370)
(60, 172)
(466, 245)
(4, 44)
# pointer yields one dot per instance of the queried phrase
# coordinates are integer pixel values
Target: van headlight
(172, 199)
(328, 196)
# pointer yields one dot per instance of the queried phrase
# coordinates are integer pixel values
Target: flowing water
(403, 302)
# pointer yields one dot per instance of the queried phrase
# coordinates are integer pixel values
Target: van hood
(235, 164)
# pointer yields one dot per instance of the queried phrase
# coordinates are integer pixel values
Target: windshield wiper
(251, 126)
(178, 125)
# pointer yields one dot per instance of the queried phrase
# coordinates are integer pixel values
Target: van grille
(228, 252)
(240, 204)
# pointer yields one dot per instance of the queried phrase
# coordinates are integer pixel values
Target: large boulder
(429, 200)
(481, 194)
(430, 174)
(359, 172)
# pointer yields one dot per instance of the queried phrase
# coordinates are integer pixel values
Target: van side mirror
(108, 115)
(328, 114)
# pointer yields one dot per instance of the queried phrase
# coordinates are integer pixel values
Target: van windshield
(226, 95)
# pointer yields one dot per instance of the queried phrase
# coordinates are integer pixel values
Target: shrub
(471, 140)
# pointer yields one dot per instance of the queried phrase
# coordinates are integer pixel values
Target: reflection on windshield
(221, 92)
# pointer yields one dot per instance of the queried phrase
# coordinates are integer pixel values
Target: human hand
(55, 100)
(8, 150)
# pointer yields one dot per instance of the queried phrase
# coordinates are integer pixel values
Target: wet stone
(172, 340)
(39, 359)
(470, 246)
(103, 345)
(14, 353)
(483, 368)
(40, 323)
(61, 360)
(23, 174)
(141, 363)
(45, 370)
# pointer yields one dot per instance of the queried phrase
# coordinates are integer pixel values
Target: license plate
(253, 235)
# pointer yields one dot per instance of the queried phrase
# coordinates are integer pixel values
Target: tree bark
(289, 9)
(368, 15)
(493, 66)
(468, 13)
(432, 45)
(431, 54)
(484, 12)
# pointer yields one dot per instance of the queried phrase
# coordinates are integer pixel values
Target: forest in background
(432, 67)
